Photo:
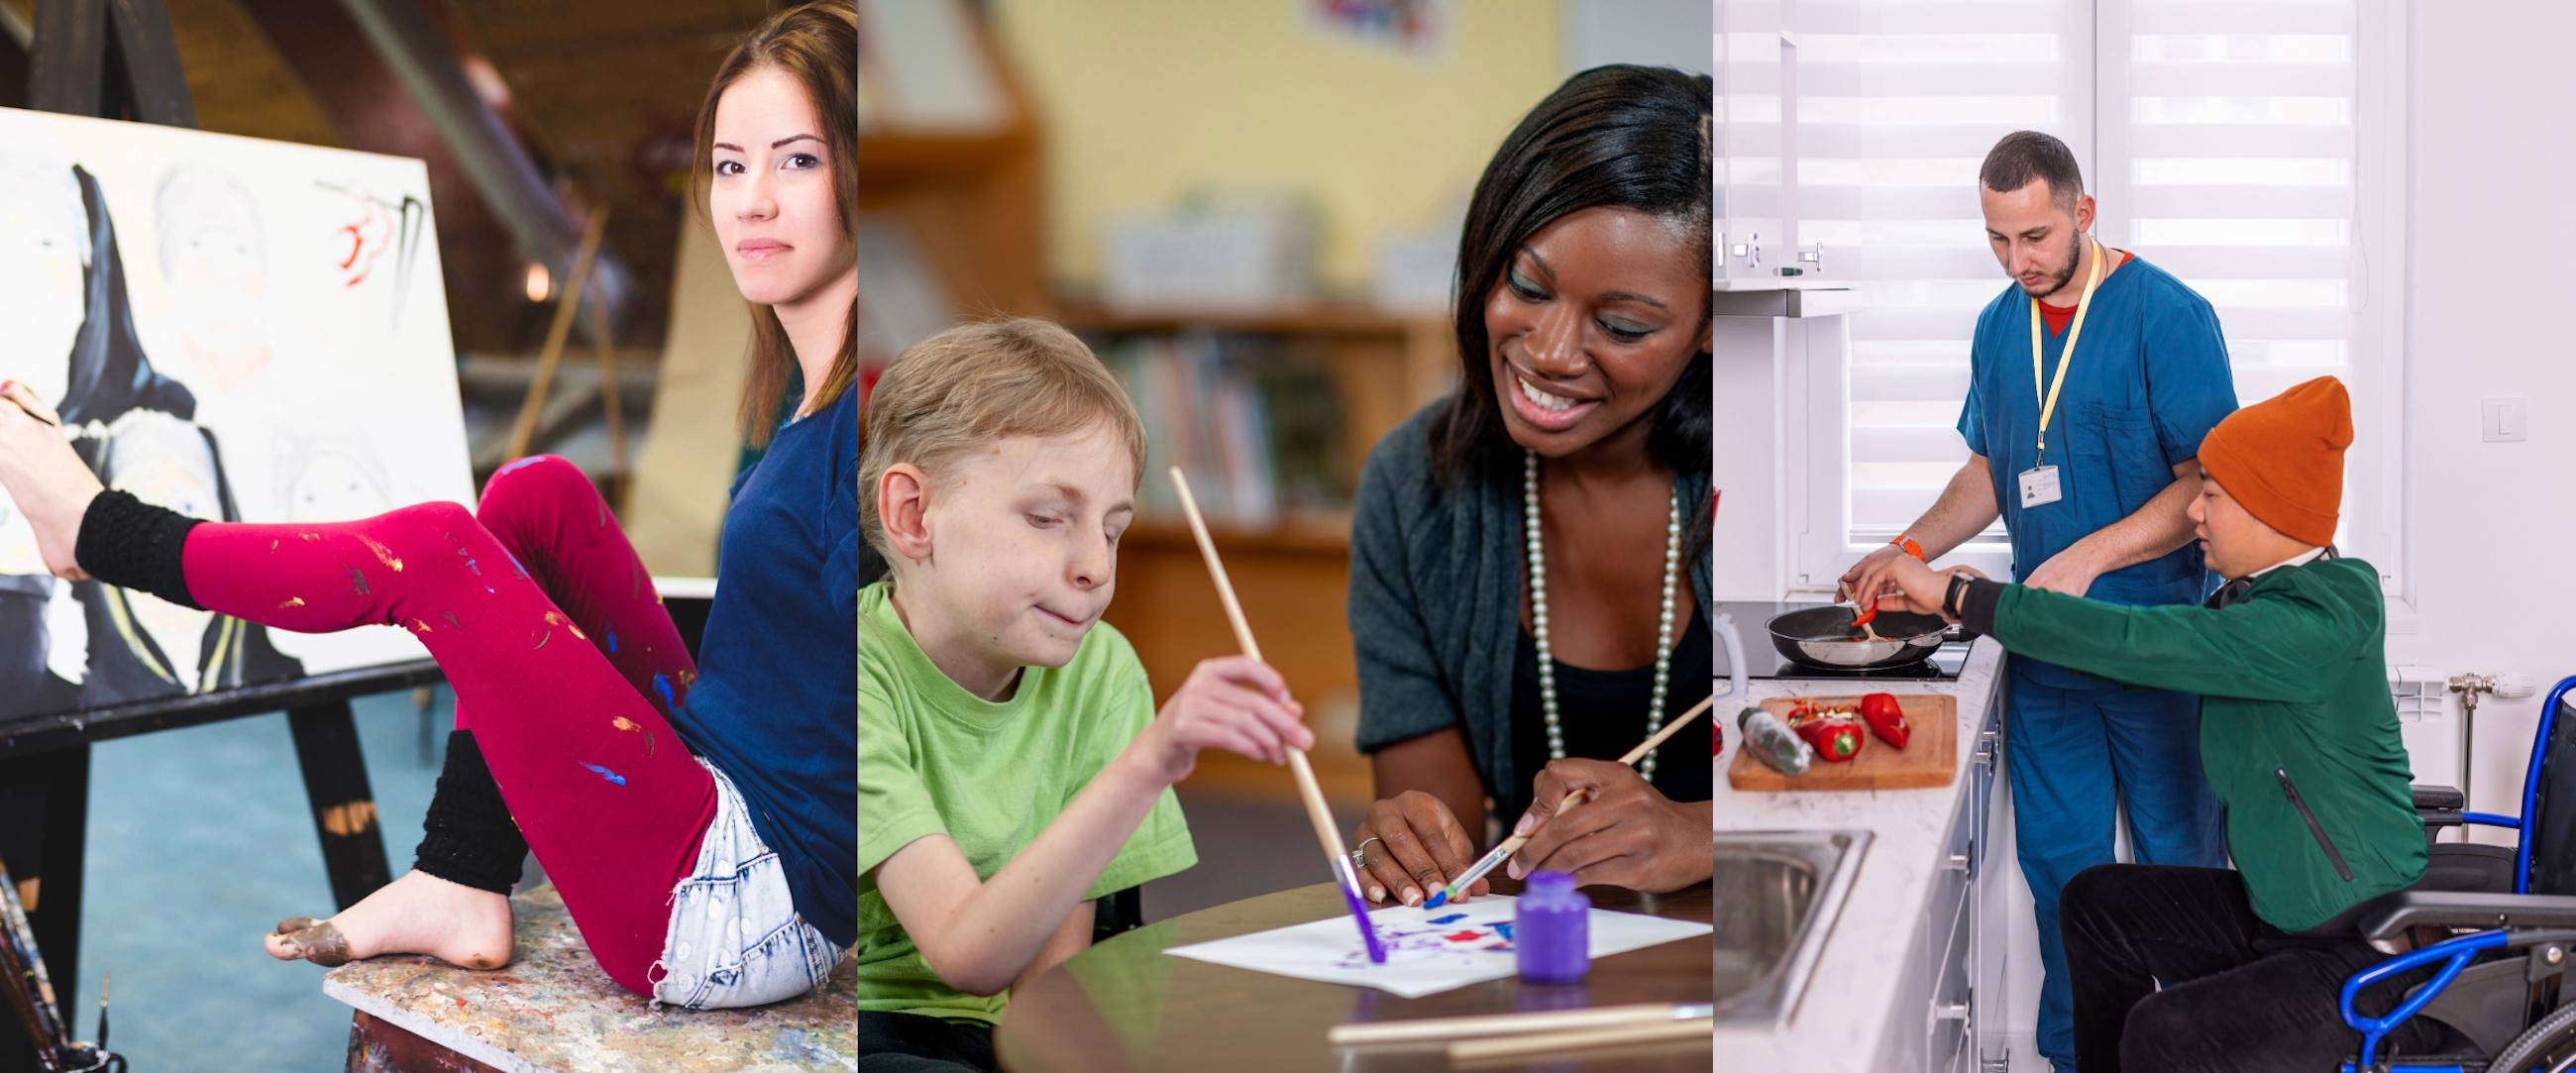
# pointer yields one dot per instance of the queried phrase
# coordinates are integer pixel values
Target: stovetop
(1763, 660)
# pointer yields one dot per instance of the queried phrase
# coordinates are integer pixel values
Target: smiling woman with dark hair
(1530, 572)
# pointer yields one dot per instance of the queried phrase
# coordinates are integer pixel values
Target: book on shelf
(1251, 420)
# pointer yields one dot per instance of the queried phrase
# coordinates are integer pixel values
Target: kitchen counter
(1843, 1020)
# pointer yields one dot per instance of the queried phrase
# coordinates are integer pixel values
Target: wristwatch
(1950, 598)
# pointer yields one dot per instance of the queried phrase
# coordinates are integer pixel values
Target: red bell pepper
(1886, 718)
(1833, 737)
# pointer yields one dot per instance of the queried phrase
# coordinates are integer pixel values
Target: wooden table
(1125, 1004)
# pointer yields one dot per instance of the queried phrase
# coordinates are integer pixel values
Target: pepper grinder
(1552, 939)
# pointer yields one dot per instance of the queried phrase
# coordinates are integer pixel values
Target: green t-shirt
(936, 759)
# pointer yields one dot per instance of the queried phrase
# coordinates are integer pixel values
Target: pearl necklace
(1538, 616)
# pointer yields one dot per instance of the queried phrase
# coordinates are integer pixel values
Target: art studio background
(533, 122)
(1250, 211)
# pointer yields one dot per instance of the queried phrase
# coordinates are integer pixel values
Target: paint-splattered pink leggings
(538, 610)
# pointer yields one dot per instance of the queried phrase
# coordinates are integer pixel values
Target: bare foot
(416, 914)
(44, 477)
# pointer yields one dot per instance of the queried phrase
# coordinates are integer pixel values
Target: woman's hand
(1624, 833)
(1419, 846)
(1235, 703)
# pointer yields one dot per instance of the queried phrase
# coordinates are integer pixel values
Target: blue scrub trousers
(2076, 755)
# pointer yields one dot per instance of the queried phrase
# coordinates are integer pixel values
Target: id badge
(2039, 487)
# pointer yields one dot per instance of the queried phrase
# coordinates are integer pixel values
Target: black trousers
(2239, 995)
(911, 1043)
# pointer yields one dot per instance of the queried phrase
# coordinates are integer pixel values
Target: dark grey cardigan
(1436, 596)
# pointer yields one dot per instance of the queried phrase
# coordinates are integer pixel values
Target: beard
(2058, 280)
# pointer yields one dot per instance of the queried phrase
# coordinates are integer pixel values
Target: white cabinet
(1753, 151)
(1948, 1005)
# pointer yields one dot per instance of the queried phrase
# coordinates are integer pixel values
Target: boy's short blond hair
(973, 384)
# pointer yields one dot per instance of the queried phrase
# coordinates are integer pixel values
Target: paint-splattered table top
(552, 1009)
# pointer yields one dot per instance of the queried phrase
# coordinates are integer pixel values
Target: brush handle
(1498, 1024)
(1512, 845)
(1307, 789)
(1700, 1028)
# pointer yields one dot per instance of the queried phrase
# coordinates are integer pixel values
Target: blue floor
(199, 841)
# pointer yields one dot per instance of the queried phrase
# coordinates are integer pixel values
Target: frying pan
(1824, 637)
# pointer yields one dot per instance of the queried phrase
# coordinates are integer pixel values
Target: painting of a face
(213, 259)
(335, 487)
(42, 261)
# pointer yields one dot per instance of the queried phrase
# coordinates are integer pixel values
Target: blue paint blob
(612, 642)
(520, 464)
(1450, 919)
(1438, 898)
(662, 685)
(1504, 929)
(606, 774)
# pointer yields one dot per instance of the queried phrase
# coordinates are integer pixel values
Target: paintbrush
(103, 979)
(1505, 1024)
(1307, 789)
(1513, 844)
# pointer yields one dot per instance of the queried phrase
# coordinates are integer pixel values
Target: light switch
(2507, 420)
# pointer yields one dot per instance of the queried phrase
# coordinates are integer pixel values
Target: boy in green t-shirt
(1011, 764)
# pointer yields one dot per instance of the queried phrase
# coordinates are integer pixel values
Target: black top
(1603, 715)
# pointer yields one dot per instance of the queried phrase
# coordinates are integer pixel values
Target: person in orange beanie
(2298, 736)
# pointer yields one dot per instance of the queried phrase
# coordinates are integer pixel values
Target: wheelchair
(2501, 994)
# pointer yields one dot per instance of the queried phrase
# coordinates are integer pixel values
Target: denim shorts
(736, 938)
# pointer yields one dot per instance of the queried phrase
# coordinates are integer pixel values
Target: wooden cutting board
(1930, 756)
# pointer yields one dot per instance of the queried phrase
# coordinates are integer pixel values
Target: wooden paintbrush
(1307, 789)
(1513, 844)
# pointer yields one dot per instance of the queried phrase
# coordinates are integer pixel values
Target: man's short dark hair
(2024, 155)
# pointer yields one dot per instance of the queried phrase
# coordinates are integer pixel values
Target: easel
(116, 59)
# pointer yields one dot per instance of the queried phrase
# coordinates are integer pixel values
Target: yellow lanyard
(2074, 330)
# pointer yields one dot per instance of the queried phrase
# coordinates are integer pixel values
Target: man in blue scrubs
(2085, 445)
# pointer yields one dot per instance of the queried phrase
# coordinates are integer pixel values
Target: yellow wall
(1141, 101)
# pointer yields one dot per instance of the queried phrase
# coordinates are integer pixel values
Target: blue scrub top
(2150, 378)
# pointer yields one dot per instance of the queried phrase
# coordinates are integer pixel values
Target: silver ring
(1359, 853)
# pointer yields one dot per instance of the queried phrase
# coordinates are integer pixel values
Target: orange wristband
(1911, 547)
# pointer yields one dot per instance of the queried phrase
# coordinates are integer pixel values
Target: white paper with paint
(1427, 950)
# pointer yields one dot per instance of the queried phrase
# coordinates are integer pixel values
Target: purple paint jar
(1553, 935)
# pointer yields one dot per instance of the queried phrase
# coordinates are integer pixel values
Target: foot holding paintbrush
(44, 477)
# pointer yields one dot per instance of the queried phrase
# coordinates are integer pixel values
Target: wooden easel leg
(344, 809)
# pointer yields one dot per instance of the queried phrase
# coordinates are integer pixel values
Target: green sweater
(2294, 691)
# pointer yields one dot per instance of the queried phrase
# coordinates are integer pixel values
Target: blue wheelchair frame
(2457, 952)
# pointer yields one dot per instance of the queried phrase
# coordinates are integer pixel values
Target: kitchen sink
(1777, 896)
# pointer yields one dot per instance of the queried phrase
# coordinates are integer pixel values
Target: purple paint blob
(520, 464)
(606, 774)
(1376, 950)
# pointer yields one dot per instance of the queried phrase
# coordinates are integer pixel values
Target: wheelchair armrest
(2447, 909)
(2439, 798)
(2437, 818)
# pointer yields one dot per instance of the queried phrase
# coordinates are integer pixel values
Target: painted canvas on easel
(231, 328)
